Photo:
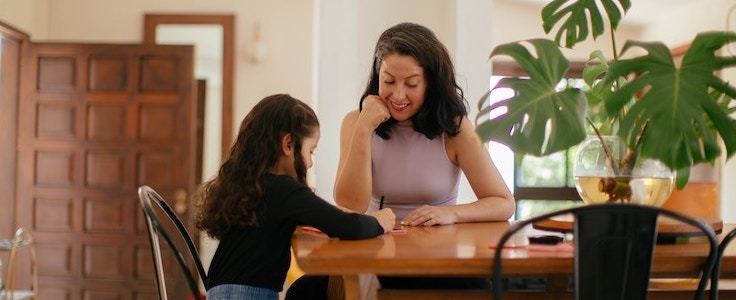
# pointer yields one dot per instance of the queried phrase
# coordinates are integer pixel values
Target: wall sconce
(257, 48)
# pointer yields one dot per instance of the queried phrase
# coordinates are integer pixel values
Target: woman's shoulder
(465, 140)
(350, 118)
(352, 115)
(463, 122)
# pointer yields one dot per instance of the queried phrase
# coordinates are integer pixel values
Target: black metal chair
(158, 231)
(717, 269)
(614, 248)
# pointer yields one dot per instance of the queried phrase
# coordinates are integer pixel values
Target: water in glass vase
(636, 190)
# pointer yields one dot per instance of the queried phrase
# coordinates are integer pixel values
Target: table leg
(352, 287)
(335, 288)
(345, 287)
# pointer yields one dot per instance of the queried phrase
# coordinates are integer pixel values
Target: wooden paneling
(96, 122)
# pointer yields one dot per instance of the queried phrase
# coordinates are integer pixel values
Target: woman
(411, 138)
(405, 146)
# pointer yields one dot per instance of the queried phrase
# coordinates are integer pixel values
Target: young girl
(260, 195)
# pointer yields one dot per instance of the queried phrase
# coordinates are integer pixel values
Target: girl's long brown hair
(235, 197)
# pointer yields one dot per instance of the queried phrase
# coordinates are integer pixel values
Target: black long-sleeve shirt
(260, 256)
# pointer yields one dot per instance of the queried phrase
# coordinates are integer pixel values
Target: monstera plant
(677, 113)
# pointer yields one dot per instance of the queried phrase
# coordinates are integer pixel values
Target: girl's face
(285, 165)
(309, 144)
(402, 85)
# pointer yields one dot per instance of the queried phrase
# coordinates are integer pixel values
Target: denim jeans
(241, 292)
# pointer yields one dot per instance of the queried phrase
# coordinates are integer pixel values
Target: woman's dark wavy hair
(444, 100)
(235, 197)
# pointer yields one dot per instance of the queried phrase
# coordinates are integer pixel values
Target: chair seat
(17, 295)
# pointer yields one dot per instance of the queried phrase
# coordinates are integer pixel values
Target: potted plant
(675, 113)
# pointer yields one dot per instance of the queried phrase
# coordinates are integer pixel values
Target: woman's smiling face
(402, 84)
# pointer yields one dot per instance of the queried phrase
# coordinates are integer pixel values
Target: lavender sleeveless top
(410, 170)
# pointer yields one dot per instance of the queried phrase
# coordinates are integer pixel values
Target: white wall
(705, 15)
(26, 15)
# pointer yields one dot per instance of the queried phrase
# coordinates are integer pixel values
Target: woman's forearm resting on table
(486, 209)
(483, 210)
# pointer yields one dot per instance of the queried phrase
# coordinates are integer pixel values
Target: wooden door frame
(9, 135)
(151, 21)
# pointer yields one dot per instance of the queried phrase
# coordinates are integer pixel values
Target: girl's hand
(386, 218)
(429, 216)
(375, 111)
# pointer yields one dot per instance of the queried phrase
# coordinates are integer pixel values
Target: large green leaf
(538, 119)
(674, 104)
(575, 27)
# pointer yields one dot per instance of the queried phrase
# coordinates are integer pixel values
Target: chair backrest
(158, 231)
(614, 247)
(717, 269)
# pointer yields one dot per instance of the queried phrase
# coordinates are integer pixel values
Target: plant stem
(609, 157)
(613, 43)
(627, 163)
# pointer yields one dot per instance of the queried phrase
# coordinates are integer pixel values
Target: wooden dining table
(467, 250)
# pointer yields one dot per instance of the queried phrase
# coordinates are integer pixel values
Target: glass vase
(601, 177)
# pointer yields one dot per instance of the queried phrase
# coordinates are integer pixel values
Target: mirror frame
(151, 21)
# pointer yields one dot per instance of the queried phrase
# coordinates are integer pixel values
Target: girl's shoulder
(284, 182)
